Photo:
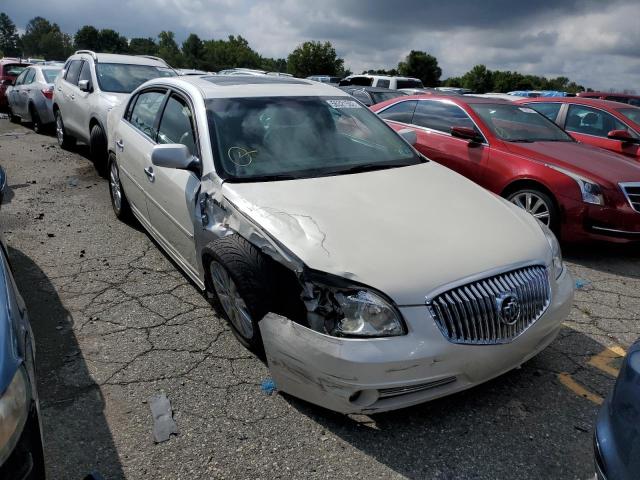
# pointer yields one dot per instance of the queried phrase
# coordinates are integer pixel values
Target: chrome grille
(475, 313)
(632, 192)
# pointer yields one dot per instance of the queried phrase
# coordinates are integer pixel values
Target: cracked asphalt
(116, 322)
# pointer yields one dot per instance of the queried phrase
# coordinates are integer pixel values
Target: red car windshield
(514, 123)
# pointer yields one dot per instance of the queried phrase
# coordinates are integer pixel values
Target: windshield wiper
(262, 178)
(369, 167)
(521, 140)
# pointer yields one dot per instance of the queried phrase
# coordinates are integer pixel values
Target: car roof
(118, 58)
(593, 102)
(373, 75)
(606, 94)
(368, 89)
(234, 86)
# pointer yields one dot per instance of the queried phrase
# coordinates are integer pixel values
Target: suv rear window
(13, 70)
(408, 84)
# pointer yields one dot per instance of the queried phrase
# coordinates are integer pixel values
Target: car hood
(592, 162)
(404, 231)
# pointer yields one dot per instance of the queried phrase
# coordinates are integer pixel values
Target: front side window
(124, 78)
(383, 83)
(73, 72)
(85, 73)
(514, 123)
(31, 75)
(549, 110)
(176, 124)
(591, 121)
(272, 138)
(21, 77)
(441, 116)
(145, 111)
(379, 97)
(399, 112)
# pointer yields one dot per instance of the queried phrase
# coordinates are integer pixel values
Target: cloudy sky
(596, 43)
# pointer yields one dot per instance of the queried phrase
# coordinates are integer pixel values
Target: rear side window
(441, 116)
(176, 124)
(145, 111)
(549, 110)
(400, 112)
(73, 72)
(31, 75)
(591, 121)
(383, 83)
(20, 79)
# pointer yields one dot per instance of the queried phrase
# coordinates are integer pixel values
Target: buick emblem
(509, 308)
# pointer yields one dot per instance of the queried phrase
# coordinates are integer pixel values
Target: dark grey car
(31, 97)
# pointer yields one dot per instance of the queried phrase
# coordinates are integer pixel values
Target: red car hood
(594, 163)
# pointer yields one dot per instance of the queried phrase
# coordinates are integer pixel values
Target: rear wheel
(119, 200)
(537, 203)
(36, 123)
(98, 147)
(241, 278)
(64, 140)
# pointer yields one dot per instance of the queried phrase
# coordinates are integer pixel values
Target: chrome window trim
(569, 105)
(431, 130)
(623, 186)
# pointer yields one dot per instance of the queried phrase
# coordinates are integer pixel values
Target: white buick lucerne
(370, 277)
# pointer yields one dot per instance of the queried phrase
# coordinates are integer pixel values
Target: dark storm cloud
(593, 42)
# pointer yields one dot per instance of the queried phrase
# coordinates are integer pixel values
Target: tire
(119, 201)
(13, 118)
(36, 123)
(537, 203)
(252, 275)
(98, 149)
(65, 140)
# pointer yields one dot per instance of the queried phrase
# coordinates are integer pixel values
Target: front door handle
(120, 145)
(149, 173)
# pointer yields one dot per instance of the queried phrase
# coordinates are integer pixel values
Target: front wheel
(538, 204)
(119, 200)
(98, 147)
(64, 140)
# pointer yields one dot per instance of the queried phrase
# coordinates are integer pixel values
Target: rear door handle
(120, 145)
(149, 173)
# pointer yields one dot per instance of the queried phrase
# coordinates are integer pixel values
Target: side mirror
(622, 135)
(173, 155)
(409, 136)
(8, 82)
(466, 133)
(84, 85)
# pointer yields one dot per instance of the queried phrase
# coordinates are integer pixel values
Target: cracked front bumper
(375, 375)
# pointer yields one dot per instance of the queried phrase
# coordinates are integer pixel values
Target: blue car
(617, 435)
(21, 454)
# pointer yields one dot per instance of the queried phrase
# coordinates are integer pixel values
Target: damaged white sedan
(371, 277)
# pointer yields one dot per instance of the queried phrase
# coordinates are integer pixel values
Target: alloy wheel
(59, 129)
(115, 187)
(232, 303)
(533, 204)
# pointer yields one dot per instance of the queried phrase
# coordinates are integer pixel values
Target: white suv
(383, 81)
(89, 86)
(371, 277)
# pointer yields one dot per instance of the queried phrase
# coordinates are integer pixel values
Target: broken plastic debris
(582, 283)
(268, 386)
(163, 423)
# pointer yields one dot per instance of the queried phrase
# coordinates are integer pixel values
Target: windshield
(632, 114)
(519, 124)
(272, 138)
(409, 84)
(14, 70)
(123, 78)
(50, 74)
(379, 97)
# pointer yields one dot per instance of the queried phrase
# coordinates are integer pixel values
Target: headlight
(352, 312)
(591, 191)
(14, 410)
(557, 263)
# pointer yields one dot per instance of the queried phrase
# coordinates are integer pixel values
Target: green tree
(274, 64)
(314, 58)
(421, 65)
(87, 38)
(453, 82)
(478, 79)
(110, 41)
(231, 53)
(192, 51)
(44, 39)
(143, 46)
(9, 38)
(168, 49)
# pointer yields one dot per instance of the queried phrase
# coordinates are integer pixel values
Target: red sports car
(611, 125)
(582, 192)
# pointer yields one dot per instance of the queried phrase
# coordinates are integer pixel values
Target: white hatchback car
(371, 277)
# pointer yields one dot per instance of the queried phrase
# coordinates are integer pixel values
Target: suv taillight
(47, 92)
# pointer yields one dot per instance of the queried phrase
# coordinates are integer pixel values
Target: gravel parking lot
(116, 322)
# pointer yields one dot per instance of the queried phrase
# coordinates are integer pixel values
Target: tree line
(43, 39)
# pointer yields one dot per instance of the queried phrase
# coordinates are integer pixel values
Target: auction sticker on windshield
(344, 104)
(527, 110)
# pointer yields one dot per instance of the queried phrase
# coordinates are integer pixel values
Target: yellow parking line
(568, 381)
(602, 360)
